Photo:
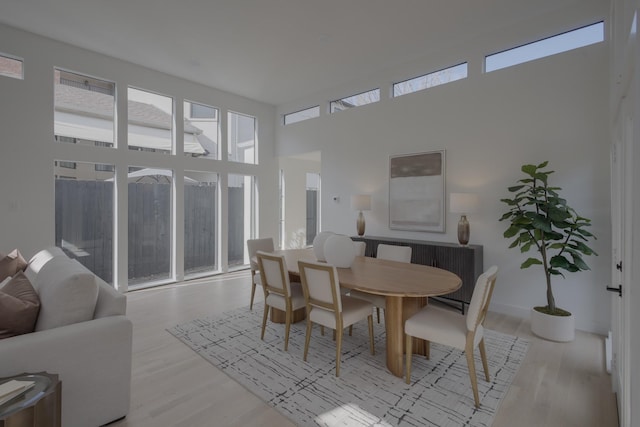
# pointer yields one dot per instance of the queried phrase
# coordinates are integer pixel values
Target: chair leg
(350, 330)
(307, 339)
(334, 334)
(287, 328)
(322, 330)
(483, 356)
(264, 320)
(378, 312)
(427, 349)
(472, 375)
(409, 351)
(371, 346)
(338, 350)
(253, 293)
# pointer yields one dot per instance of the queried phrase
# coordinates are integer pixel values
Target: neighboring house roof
(100, 105)
(154, 176)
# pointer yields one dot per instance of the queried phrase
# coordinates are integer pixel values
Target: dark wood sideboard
(465, 261)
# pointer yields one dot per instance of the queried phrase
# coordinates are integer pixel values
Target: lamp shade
(361, 202)
(463, 203)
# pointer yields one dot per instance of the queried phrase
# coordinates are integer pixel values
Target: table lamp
(463, 203)
(361, 202)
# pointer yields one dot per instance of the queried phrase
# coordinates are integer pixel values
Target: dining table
(405, 286)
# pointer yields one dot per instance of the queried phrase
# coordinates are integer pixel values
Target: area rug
(366, 393)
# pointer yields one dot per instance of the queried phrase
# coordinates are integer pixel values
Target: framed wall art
(416, 192)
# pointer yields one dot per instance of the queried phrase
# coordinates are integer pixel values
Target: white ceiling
(273, 51)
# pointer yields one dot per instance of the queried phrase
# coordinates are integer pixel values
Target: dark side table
(40, 406)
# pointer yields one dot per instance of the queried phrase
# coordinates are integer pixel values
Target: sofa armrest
(92, 359)
(110, 301)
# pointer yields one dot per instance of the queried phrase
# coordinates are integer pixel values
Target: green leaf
(579, 262)
(525, 248)
(511, 231)
(505, 216)
(515, 188)
(559, 261)
(585, 233)
(541, 176)
(559, 215)
(529, 262)
(584, 248)
(542, 223)
(529, 169)
(543, 165)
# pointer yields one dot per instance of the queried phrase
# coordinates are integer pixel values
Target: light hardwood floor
(558, 384)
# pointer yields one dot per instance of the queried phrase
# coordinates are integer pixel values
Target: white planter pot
(553, 328)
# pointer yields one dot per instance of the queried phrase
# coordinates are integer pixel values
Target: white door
(619, 305)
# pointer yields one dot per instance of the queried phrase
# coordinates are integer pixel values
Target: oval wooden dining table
(405, 287)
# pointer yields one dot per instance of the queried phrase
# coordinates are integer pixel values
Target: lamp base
(360, 224)
(463, 231)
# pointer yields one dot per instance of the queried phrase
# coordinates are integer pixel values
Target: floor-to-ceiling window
(313, 206)
(84, 109)
(84, 214)
(161, 187)
(149, 225)
(200, 223)
(241, 214)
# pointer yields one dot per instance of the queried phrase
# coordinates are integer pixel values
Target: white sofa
(92, 358)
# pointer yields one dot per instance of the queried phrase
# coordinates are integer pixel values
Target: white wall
(552, 109)
(28, 148)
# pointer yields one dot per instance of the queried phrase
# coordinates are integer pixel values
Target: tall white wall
(490, 124)
(28, 148)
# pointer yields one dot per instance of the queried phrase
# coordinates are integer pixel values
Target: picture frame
(417, 192)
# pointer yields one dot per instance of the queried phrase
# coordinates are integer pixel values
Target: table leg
(279, 316)
(395, 334)
(399, 309)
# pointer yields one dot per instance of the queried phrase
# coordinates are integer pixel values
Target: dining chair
(455, 329)
(253, 246)
(279, 292)
(391, 253)
(327, 307)
(361, 248)
(394, 252)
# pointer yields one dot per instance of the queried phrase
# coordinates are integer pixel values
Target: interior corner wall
(295, 176)
(489, 124)
(29, 151)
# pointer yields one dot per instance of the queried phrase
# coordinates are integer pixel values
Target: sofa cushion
(19, 306)
(5, 281)
(68, 293)
(40, 259)
(11, 263)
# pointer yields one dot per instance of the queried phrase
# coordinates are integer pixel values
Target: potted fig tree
(540, 220)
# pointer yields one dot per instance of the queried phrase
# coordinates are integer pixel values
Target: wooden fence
(84, 227)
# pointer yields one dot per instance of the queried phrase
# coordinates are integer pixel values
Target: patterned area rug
(365, 394)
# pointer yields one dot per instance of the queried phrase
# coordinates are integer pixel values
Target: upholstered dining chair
(454, 329)
(327, 307)
(361, 248)
(279, 292)
(391, 253)
(253, 246)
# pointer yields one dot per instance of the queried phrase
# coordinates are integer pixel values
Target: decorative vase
(360, 224)
(553, 328)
